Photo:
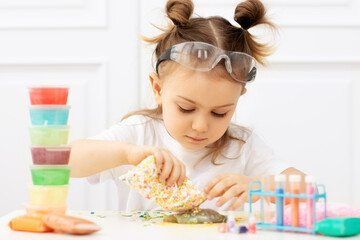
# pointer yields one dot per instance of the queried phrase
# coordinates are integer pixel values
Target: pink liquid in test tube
(310, 191)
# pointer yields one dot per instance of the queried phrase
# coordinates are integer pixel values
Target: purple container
(50, 155)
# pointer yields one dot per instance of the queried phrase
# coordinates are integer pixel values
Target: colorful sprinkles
(146, 217)
(144, 179)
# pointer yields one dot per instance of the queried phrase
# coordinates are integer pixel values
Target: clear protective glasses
(204, 57)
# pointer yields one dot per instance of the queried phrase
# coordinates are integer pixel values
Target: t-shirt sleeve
(261, 160)
(125, 131)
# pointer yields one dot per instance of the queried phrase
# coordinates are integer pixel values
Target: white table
(121, 225)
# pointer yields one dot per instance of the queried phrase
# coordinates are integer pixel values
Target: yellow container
(48, 195)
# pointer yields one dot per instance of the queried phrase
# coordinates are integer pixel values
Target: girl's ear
(156, 87)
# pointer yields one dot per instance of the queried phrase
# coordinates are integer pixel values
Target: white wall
(304, 103)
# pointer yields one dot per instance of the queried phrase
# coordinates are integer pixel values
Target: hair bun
(179, 12)
(249, 14)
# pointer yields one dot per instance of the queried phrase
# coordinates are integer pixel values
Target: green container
(339, 226)
(49, 135)
(50, 174)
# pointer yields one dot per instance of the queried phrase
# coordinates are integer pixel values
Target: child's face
(197, 106)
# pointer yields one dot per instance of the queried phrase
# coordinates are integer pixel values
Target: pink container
(48, 95)
(56, 155)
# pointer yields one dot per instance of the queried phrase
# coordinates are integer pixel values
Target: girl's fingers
(166, 169)
(159, 159)
(171, 169)
(177, 171)
(240, 201)
(209, 186)
(182, 175)
(174, 174)
(232, 192)
(220, 188)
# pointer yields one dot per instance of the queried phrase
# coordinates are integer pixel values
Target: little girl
(203, 65)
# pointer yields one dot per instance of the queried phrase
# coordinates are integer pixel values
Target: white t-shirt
(253, 157)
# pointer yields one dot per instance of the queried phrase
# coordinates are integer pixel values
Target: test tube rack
(314, 197)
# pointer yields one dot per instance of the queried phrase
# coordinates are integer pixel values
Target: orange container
(48, 95)
(28, 223)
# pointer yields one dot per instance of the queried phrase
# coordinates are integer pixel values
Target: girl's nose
(200, 124)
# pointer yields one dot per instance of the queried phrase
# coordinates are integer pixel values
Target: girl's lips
(196, 139)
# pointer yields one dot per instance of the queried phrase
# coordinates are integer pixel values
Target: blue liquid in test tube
(280, 181)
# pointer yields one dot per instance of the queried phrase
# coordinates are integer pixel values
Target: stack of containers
(49, 132)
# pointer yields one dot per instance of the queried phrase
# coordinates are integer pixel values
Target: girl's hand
(171, 169)
(228, 186)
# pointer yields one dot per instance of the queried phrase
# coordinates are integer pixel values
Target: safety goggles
(204, 57)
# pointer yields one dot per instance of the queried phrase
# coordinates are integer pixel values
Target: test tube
(280, 181)
(252, 223)
(295, 189)
(310, 191)
(231, 224)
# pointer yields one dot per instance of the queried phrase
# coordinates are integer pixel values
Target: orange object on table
(68, 224)
(29, 223)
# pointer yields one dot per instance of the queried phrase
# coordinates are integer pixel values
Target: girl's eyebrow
(189, 100)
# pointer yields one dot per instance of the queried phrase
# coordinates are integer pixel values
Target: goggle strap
(164, 56)
(252, 74)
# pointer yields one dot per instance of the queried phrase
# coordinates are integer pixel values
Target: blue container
(44, 115)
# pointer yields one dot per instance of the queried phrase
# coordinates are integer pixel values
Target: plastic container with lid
(50, 155)
(49, 135)
(48, 195)
(48, 95)
(44, 115)
(34, 209)
(50, 174)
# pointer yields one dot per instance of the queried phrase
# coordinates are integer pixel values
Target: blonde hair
(214, 30)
